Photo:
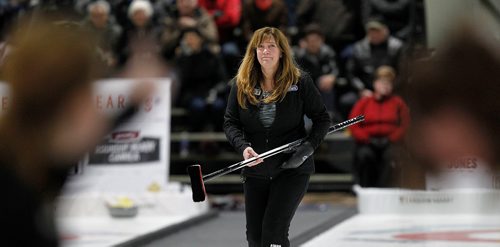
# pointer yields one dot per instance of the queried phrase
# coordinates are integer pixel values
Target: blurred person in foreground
(51, 122)
(266, 107)
(386, 120)
(455, 102)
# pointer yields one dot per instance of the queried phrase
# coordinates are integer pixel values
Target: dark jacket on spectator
(199, 72)
(107, 37)
(366, 58)
(318, 64)
(244, 129)
(388, 117)
(107, 40)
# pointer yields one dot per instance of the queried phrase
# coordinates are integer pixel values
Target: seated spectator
(227, 16)
(187, 15)
(202, 79)
(386, 120)
(107, 31)
(140, 28)
(397, 14)
(337, 18)
(318, 59)
(376, 49)
(263, 13)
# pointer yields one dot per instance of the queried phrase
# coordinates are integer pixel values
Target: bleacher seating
(333, 158)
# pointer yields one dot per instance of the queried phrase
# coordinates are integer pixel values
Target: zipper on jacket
(267, 148)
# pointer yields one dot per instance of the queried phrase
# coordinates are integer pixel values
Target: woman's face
(268, 53)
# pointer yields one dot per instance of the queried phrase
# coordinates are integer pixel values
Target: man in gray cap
(376, 49)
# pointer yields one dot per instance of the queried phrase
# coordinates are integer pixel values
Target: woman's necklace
(268, 89)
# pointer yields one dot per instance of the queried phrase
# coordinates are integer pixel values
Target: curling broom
(198, 180)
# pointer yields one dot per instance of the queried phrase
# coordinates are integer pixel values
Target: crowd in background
(340, 43)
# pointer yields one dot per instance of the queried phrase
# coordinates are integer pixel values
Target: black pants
(373, 165)
(270, 206)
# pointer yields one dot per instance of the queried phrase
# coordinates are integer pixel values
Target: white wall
(443, 15)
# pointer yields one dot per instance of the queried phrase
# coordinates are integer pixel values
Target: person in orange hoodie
(386, 120)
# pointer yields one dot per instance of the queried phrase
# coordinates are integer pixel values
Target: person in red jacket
(227, 16)
(386, 120)
(226, 13)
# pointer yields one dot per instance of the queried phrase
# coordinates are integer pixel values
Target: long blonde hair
(249, 73)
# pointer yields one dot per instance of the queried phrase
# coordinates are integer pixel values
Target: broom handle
(279, 149)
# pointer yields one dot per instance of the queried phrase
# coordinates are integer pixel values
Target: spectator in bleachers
(120, 9)
(202, 78)
(263, 13)
(386, 120)
(227, 16)
(337, 18)
(140, 28)
(376, 49)
(101, 22)
(187, 15)
(396, 13)
(318, 59)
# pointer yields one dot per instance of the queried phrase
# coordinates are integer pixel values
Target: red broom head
(197, 185)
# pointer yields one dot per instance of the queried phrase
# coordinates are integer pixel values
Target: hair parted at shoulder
(250, 74)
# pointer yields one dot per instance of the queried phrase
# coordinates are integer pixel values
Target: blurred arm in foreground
(50, 124)
(454, 101)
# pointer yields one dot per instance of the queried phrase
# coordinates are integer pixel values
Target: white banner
(132, 157)
(464, 172)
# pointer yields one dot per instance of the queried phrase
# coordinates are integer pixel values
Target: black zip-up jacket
(244, 129)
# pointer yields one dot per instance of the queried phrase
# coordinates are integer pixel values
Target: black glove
(301, 154)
